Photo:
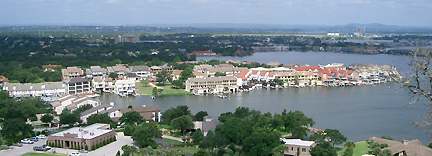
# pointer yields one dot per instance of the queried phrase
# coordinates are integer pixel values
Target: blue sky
(283, 12)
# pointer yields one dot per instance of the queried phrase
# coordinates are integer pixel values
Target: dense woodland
(23, 54)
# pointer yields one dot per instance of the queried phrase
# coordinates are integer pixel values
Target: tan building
(213, 85)
(88, 138)
(72, 72)
(297, 147)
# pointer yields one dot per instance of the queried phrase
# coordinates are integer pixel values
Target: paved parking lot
(107, 150)
(17, 151)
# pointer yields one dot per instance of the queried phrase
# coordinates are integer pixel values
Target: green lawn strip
(360, 149)
(42, 154)
(143, 88)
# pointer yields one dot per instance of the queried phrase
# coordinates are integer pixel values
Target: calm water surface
(359, 112)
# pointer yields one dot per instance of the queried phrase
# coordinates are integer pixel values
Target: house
(119, 69)
(213, 85)
(176, 74)
(102, 84)
(3, 80)
(72, 102)
(149, 113)
(405, 147)
(297, 147)
(206, 125)
(86, 138)
(100, 109)
(78, 85)
(72, 72)
(124, 87)
(143, 72)
(50, 67)
(96, 71)
(46, 89)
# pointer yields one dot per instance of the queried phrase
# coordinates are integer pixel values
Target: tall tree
(145, 135)
(99, 118)
(200, 115)
(175, 112)
(182, 123)
(131, 118)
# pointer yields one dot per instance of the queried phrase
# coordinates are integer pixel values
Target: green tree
(163, 77)
(155, 92)
(182, 123)
(131, 118)
(99, 118)
(128, 150)
(13, 130)
(175, 112)
(323, 149)
(200, 115)
(145, 135)
(349, 149)
(334, 137)
(261, 142)
(113, 75)
(47, 118)
(129, 130)
(197, 137)
(69, 118)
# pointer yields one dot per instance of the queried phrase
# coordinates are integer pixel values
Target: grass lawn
(42, 154)
(360, 149)
(143, 88)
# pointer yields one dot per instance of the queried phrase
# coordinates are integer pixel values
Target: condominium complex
(35, 89)
(78, 85)
(213, 84)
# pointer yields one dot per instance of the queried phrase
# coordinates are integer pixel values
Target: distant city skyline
(190, 12)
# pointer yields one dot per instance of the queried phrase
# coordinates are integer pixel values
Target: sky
(189, 12)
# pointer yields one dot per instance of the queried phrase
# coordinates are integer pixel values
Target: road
(107, 150)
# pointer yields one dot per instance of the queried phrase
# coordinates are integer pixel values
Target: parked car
(74, 154)
(34, 139)
(27, 141)
(40, 137)
(42, 148)
(83, 151)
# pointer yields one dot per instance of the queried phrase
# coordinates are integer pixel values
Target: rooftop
(88, 132)
(297, 142)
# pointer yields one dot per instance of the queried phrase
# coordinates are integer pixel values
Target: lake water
(359, 112)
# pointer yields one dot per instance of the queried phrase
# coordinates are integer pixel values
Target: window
(303, 149)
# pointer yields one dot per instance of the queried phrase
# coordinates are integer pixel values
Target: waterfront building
(213, 85)
(297, 147)
(208, 124)
(102, 84)
(103, 108)
(119, 69)
(405, 147)
(124, 86)
(72, 72)
(143, 72)
(72, 102)
(95, 71)
(79, 85)
(87, 138)
(149, 113)
(176, 74)
(46, 89)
